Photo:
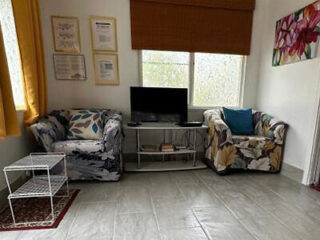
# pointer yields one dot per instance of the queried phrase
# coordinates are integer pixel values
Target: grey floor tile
(267, 228)
(296, 220)
(52, 234)
(242, 206)
(16, 235)
(166, 190)
(138, 204)
(184, 234)
(315, 213)
(135, 179)
(162, 202)
(133, 192)
(293, 173)
(189, 205)
(208, 216)
(184, 178)
(199, 196)
(93, 221)
(219, 223)
(97, 192)
(137, 226)
(228, 231)
(176, 216)
(160, 178)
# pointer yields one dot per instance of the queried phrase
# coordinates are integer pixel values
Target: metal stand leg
(164, 142)
(66, 175)
(172, 142)
(187, 143)
(10, 192)
(194, 147)
(52, 210)
(12, 212)
(51, 197)
(138, 147)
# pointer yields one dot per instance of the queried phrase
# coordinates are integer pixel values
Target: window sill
(210, 107)
(201, 108)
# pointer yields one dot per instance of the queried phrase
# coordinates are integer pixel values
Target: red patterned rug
(35, 210)
(316, 187)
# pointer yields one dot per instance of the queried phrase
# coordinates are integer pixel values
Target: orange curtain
(8, 117)
(28, 26)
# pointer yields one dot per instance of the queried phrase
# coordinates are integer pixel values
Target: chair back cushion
(85, 125)
(239, 121)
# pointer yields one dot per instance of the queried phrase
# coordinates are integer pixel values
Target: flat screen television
(159, 104)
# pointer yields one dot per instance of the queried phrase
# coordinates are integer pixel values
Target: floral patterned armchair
(86, 159)
(262, 152)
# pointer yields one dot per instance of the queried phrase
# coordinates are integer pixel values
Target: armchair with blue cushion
(262, 150)
(98, 159)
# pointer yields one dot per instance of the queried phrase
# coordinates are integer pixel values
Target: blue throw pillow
(239, 121)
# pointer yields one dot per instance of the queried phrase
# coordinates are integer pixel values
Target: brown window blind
(213, 26)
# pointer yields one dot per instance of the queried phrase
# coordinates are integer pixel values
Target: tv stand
(165, 165)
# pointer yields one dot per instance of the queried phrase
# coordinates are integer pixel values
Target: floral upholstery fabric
(73, 146)
(86, 159)
(249, 141)
(262, 152)
(85, 124)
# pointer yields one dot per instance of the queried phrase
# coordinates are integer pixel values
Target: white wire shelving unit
(45, 185)
(190, 150)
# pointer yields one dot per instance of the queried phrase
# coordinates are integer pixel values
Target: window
(12, 51)
(212, 79)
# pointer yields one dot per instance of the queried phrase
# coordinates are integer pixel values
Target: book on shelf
(167, 148)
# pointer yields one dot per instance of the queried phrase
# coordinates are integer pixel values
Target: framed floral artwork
(297, 36)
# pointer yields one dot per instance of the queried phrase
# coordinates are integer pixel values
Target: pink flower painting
(297, 36)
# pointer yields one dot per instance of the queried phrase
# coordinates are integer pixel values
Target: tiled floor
(188, 205)
(292, 172)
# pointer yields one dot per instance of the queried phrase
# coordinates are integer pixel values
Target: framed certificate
(104, 34)
(106, 69)
(69, 67)
(66, 34)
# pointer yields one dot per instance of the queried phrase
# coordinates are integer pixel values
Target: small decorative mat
(36, 210)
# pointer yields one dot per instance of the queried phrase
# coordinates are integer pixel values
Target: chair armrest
(211, 114)
(219, 138)
(45, 133)
(273, 128)
(112, 134)
(219, 132)
(279, 131)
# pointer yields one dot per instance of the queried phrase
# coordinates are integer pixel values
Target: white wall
(253, 61)
(68, 94)
(12, 149)
(289, 92)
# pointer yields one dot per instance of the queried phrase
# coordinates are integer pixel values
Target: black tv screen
(159, 104)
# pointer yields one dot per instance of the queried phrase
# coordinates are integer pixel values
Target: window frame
(191, 79)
